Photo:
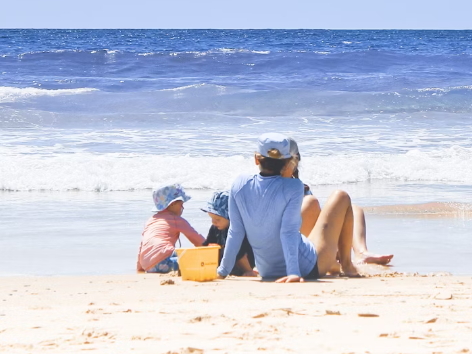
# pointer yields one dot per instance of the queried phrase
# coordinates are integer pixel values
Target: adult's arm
(289, 230)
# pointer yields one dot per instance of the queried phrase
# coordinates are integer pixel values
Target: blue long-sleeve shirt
(267, 210)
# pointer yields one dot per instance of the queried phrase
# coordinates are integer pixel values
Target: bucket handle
(181, 254)
(185, 250)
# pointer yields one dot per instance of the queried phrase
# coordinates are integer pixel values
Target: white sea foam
(239, 50)
(181, 88)
(448, 89)
(451, 165)
(123, 172)
(12, 94)
(212, 51)
(116, 172)
(219, 88)
(106, 51)
(261, 52)
(58, 51)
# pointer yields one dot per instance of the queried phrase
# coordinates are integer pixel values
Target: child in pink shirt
(156, 252)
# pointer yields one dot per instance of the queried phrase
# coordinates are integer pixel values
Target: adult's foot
(349, 270)
(372, 258)
(335, 269)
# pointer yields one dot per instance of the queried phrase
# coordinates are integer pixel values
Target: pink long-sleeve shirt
(159, 237)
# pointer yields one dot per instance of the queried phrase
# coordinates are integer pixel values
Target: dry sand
(388, 313)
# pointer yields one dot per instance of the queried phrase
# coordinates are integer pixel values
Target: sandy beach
(93, 120)
(386, 313)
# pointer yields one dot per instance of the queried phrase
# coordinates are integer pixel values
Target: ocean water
(92, 120)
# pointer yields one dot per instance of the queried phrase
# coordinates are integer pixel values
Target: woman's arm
(289, 230)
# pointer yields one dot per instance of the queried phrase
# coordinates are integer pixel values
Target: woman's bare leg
(310, 212)
(332, 233)
(359, 241)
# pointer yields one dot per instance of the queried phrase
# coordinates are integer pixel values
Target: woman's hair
(306, 187)
(295, 171)
(273, 165)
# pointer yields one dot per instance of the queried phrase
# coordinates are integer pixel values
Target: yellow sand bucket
(199, 263)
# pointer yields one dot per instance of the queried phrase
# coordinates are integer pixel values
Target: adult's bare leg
(310, 212)
(333, 233)
(359, 241)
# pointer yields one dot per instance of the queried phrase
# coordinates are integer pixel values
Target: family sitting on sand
(277, 229)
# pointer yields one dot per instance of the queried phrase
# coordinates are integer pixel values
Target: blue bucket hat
(274, 145)
(218, 204)
(165, 195)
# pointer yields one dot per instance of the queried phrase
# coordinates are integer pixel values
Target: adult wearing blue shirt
(266, 208)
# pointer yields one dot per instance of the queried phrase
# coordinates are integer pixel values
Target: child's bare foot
(250, 273)
(367, 257)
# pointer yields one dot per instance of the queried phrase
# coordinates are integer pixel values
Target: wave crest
(12, 94)
(127, 172)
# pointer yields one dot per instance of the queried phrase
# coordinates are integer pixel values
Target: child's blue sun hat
(165, 195)
(218, 204)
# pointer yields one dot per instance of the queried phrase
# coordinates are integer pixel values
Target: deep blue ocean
(389, 105)
(91, 119)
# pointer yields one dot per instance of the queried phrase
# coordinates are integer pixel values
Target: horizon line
(238, 29)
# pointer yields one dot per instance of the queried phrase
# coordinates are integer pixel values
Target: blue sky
(326, 14)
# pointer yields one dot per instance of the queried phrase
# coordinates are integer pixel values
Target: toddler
(156, 252)
(217, 210)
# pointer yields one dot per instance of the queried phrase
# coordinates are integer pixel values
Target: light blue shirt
(268, 211)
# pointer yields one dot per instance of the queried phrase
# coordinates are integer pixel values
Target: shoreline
(385, 313)
(99, 233)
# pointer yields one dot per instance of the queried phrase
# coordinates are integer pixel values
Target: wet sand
(425, 210)
(386, 313)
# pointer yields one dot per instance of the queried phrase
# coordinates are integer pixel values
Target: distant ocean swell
(229, 55)
(127, 172)
(227, 99)
(374, 69)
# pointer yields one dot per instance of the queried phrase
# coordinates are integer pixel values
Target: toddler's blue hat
(165, 195)
(274, 145)
(218, 204)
